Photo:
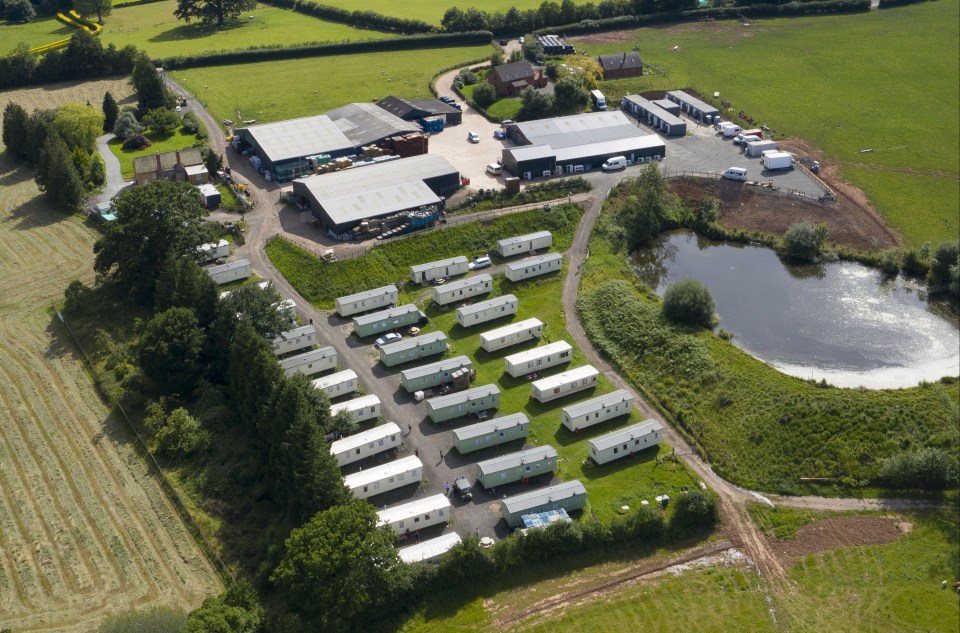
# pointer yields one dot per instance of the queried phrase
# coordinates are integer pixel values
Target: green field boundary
(74, 20)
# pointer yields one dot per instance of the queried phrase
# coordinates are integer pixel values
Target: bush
(945, 268)
(162, 121)
(18, 11)
(127, 125)
(468, 78)
(695, 510)
(484, 95)
(927, 469)
(190, 123)
(689, 301)
(804, 241)
(137, 142)
(181, 435)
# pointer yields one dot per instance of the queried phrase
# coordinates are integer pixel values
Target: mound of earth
(828, 534)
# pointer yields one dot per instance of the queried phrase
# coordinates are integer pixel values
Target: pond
(842, 321)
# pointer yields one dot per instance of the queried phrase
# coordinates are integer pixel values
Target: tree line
(83, 58)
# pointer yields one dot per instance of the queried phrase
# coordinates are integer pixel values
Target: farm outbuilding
(366, 444)
(434, 374)
(489, 310)
(411, 349)
(461, 403)
(363, 408)
(653, 115)
(425, 273)
(416, 515)
(538, 358)
(230, 272)
(213, 250)
(669, 106)
(533, 266)
(385, 477)
(507, 469)
(418, 109)
(522, 244)
(569, 495)
(513, 334)
(555, 45)
(462, 289)
(342, 383)
(429, 550)
(209, 195)
(693, 107)
(310, 363)
(570, 381)
(367, 300)
(625, 441)
(303, 337)
(596, 410)
(374, 323)
(491, 433)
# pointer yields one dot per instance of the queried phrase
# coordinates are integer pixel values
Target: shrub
(890, 261)
(136, 142)
(695, 510)
(18, 11)
(468, 78)
(162, 121)
(945, 267)
(190, 123)
(927, 469)
(803, 240)
(484, 95)
(689, 301)
(127, 125)
(181, 435)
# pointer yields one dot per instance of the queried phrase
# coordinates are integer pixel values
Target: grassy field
(177, 140)
(273, 91)
(432, 11)
(36, 33)
(837, 83)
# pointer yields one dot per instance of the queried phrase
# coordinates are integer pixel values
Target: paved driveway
(115, 182)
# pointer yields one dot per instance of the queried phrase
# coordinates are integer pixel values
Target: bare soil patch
(848, 531)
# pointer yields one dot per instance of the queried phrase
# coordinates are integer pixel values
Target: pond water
(843, 322)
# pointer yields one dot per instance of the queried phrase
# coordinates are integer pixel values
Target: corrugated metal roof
(625, 434)
(490, 426)
(595, 404)
(533, 261)
(513, 328)
(609, 148)
(538, 352)
(307, 357)
(389, 313)
(693, 101)
(296, 138)
(530, 152)
(480, 306)
(365, 123)
(413, 508)
(582, 135)
(477, 393)
(381, 472)
(355, 405)
(335, 379)
(429, 549)
(447, 364)
(512, 460)
(565, 490)
(369, 294)
(563, 378)
(518, 239)
(240, 263)
(410, 343)
(462, 284)
(361, 439)
(459, 259)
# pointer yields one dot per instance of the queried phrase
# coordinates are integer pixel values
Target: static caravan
(386, 320)
(287, 307)
(310, 363)
(625, 441)
(213, 250)
(342, 383)
(362, 445)
(507, 469)
(363, 408)
(491, 433)
(432, 375)
(513, 334)
(520, 244)
(429, 550)
(425, 273)
(385, 477)
(295, 340)
(533, 266)
(462, 289)
(367, 300)
(411, 349)
(483, 311)
(538, 358)
(570, 495)
(596, 410)
(568, 382)
(226, 273)
(456, 405)
(263, 285)
(416, 515)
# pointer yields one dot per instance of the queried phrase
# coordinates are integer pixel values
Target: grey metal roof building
(416, 109)
(693, 106)
(366, 123)
(653, 114)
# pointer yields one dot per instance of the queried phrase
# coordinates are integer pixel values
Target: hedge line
(368, 19)
(899, 3)
(133, 3)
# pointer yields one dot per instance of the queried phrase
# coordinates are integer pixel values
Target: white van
(614, 162)
(734, 173)
(494, 169)
(743, 139)
(731, 129)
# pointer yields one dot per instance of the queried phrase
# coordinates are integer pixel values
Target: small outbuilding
(522, 244)
(209, 196)
(411, 349)
(416, 515)
(625, 441)
(342, 383)
(367, 300)
(365, 325)
(533, 266)
(470, 402)
(310, 363)
(213, 250)
(491, 433)
(565, 383)
(366, 444)
(295, 340)
(584, 414)
(654, 115)
(462, 289)
(569, 496)
(489, 310)
(425, 273)
(385, 477)
(362, 409)
(429, 550)
(434, 374)
(693, 107)
(512, 467)
(513, 334)
(538, 359)
(230, 272)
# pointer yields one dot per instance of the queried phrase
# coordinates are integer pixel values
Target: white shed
(483, 311)
(310, 363)
(294, 340)
(565, 383)
(625, 441)
(533, 266)
(233, 271)
(538, 358)
(581, 415)
(367, 300)
(342, 383)
(213, 250)
(411, 349)
(363, 408)
(366, 444)
(513, 334)
(385, 477)
(431, 549)
(520, 244)
(425, 273)
(416, 515)
(462, 289)
(432, 375)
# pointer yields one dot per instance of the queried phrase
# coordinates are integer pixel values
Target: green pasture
(273, 91)
(884, 80)
(431, 11)
(169, 143)
(35, 33)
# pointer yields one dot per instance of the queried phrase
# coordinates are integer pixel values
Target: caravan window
(358, 451)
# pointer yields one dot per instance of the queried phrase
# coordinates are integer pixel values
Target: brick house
(184, 165)
(510, 80)
(617, 65)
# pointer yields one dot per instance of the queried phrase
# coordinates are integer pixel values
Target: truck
(599, 101)
(773, 159)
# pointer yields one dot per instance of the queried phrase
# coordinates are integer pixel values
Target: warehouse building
(359, 446)
(367, 300)
(654, 115)
(570, 495)
(506, 469)
(462, 289)
(693, 107)
(533, 266)
(425, 273)
(570, 381)
(435, 374)
(489, 310)
(384, 478)
(625, 441)
(418, 109)
(362, 409)
(538, 359)
(416, 515)
(491, 433)
(411, 349)
(596, 410)
(429, 550)
(513, 334)
(386, 320)
(522, 244)
(310, 363)
(469, 402)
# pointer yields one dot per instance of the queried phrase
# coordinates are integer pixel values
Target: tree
(56, 175)
(88, 8)
(191, 124)
(39, 127)
(496, 58)
(169, 350)
(110, 112)
(258, 307)
(212, 161)
(162, 121)
(336, 566)
(252, 372)
(943, 265)
(19, 65)
(237, 610)
(98, 172)
(155, 620)
(208, 11)
(15, 124)
(148, 84)
(127, 126)
(534, 104)
(484, 95)
(79, 125)
(688, 301)
(516, 55)
(697, 509)
(15, 11)
(182, 283)
(570, 95)
(468, 77)
(136, 142)
(181, 435)
(804, 241)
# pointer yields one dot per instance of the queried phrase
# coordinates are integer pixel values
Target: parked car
(386, 339)
(506, 122)
(734, 173)
(499, 135)
(503, 42)
(462, 487)
(480, 262)
(521, 40)
(494, 169)
(447, 99)
(473, 137)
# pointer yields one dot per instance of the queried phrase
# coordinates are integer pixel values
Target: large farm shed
(693, 107)
(419, 109)
(416, 515)
(596, 410)
(367, 300)
(366, 444)
(385, 477)
(576, 143)
(227, 273)
(570, 495)
(342, 199)
(342, 383)
(513, 334)
(423, 273)
(362, 409)
(560, 385)
(654, 115)
(461, 403)
(294, 340)
(625, 441)
(431, 549)
(462, 289)
(411, 349)
(522, 244)
(310, 363)
(483, 311)
(434, 374)
(386, 320)
(533, 266)
(491, 433)
(538, 358)
(507, 469)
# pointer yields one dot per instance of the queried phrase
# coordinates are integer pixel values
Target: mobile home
(625, 441)
(363, 408)
(385, 477)
(491, 433)
(213, 250)
(294, 340)
(226, 273)
(429, 550)
(513, 334)
(416, 515)
(533, 266)
(521, 244)
(462, 289)
(563, 384)
(365, 325)
(538, 358)
(310, 363)
(411, 349)
(425, 273)
(513, 467)
(367, 300)
(434, 374)
(488, 310)
(596, 410)
(362, 445)
(456, 405)
(570, 495)
(342, 383)
(263, 285)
